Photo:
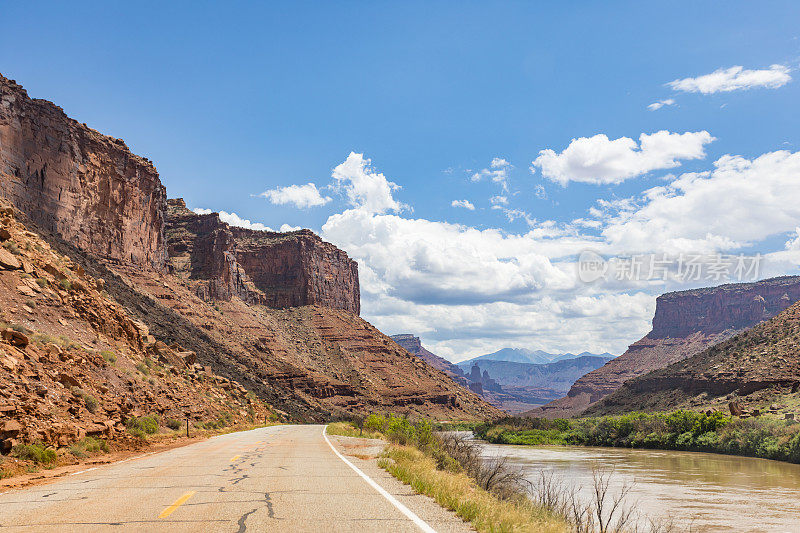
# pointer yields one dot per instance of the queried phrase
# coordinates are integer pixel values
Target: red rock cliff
(278, 270)
(85, 187)
(685, 323)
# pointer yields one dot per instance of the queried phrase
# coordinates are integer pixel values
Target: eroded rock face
(278, 270)
(87, 188)
(685, 323)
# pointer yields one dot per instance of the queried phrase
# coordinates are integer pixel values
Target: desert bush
(12, 247)
(65, 284)
(173, 424)
(87, 446)
(35, 452)
(108, 356)
(142, 426)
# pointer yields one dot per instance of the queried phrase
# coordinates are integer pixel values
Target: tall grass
(488, 491)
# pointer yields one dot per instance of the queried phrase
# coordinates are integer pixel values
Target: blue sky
(230, 102)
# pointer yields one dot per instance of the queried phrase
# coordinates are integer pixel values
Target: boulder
(15, 338)
(188, 357)
(68, 381)
(10, 428)
(736, 408)
(4, 234)
(8, 260)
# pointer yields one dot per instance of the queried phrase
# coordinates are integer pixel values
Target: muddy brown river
(698, 491)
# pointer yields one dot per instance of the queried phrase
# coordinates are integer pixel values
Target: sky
(506, 174)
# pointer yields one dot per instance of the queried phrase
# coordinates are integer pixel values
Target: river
(702, 491)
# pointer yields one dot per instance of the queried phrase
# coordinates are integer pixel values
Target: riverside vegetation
(487, 491)
(677, 430)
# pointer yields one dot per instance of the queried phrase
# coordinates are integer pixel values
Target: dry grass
(459, 493)
(346, 429)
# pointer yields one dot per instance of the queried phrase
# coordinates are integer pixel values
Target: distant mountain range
(514, 379)
(523, 355)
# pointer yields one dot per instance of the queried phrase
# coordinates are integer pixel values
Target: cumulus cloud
(705, 211)
(498, 172)
(661, 103)
(734, 79)
(234, 220)
(600, 160)
(301, 196)
(365, 189)
(466, 204)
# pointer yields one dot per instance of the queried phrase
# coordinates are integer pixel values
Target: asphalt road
(280, 478)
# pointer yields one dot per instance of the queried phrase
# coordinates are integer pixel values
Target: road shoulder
(363, 453)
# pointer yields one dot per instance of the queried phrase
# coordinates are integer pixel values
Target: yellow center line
(235, 457)
(180, 501)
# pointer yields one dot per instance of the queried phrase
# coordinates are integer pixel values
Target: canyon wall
(278, 270)
(78, 184)
(684, 324)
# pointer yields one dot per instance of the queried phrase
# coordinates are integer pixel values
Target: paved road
(280, 478)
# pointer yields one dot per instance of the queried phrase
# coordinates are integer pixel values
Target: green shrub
(108, 356)
(65, 284)
(143, 368)
(12, 247)
(173, 424)
(142, 426)
(36, 453)
(677, 430)
(42, 282)
(89, 445)
(91, 403)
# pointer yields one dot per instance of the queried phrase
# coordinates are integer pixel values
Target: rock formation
(275, 314)
(84, 187)
(744, 374)
(74, 363)
(278, 270)
(685, 323)
(413, 345)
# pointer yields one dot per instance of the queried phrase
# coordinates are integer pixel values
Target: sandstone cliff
(74, 362)
(757, 370)
(413, 345)
(70, 180)
(684, 324)
(278, 270)
(274, 312)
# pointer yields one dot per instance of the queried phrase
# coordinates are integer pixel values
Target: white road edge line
(402, 508)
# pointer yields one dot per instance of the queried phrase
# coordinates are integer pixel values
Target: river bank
(679, 430)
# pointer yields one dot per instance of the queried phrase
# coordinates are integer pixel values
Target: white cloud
(599, 160)
(738, 203)
(234, 220)
(498, 200)
(661, 103)
(301, 196)
(734, 79)
(365, 189)
(498, 172)
(466, 204)
(540, 192)
(468, 291)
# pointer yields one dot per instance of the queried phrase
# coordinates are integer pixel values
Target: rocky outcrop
(74, 363)
(278, 270)
(685, 323)
(78, 184)
(413, 345)
(744, 374)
